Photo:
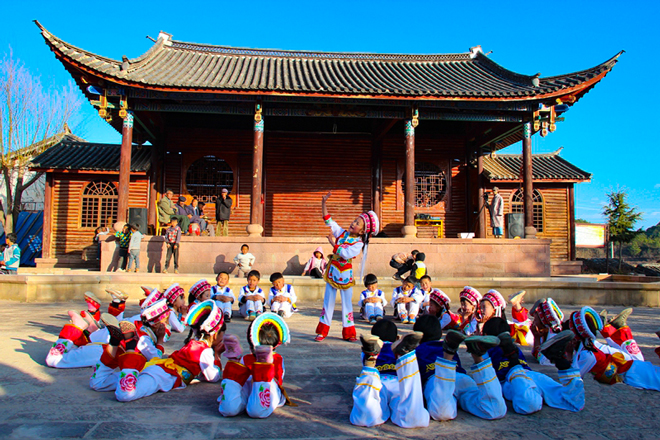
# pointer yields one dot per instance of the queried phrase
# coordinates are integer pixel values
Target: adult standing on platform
(222, 213)
(496, 208)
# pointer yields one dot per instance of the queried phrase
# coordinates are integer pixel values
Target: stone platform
(68, 285)
(39, 402)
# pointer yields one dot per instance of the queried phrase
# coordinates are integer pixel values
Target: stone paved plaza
(40, 402)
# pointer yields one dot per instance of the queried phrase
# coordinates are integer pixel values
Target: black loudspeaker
(515, 225)
(138, 216)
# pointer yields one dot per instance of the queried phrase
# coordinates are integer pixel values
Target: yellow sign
(589, 235)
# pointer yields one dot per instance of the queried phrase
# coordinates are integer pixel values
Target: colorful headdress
(550, 314)
(199, 287)
(156, 312)
(152, 299)
(440, 298)
(371, 223)
(585, 323)
(470, 294)
(173, 292)
(206, 316)
(271, 319)
(92, 301)
(497, 300)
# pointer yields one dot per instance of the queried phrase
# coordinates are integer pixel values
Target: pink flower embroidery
(322, 312)
(349, 317)
(633, 348)
(127, 383)
(57, 350)
(264, 398)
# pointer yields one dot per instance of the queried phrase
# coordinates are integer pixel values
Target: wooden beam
(48, 218)
(571, 222)
(530, 231)
(381, 130)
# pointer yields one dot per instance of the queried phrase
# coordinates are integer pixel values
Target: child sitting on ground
(244, 261)
(254, 383)
(372, 300)
(199, 292)
(316, 265)
(406, 300)
(223, 295)
(439, 306)
(282, 298)
(469, 311)
(251, 299)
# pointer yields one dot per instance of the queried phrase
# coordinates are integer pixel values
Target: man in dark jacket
(222, 213)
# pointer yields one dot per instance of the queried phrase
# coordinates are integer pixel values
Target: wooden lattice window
(207, 176)
(430, 185)
(518, 205)
(99, 205)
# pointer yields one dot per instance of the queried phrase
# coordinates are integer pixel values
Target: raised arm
(324, 207)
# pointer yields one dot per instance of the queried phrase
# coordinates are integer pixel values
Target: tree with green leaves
(621, 219)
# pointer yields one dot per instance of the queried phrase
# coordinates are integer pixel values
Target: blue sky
(612, 132)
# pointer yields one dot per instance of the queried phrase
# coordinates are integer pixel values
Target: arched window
(99, 205)
(430, 185)
(518, 205)
(207, 176)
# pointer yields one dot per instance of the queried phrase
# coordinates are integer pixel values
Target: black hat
(430, 326)
(182, 199)
(385, 329)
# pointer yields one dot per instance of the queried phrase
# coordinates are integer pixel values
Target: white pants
(104, 378)
(285, 307)
(405, 406)
(407, 309)
(329, 300)
(225, 307)
(251, 306)
(66, 354)
(644, 375)
(133, 385)
(102, 335)
(480, 393)
(373, 309)
(234, 397)
(258, 399)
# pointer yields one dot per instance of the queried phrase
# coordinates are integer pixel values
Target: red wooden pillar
(481, 230)
(125, 167)
(48, 217)
(153, 190)
(409, 230)
(571, 222)
(530, 230)
(377, 169)
(256, 228)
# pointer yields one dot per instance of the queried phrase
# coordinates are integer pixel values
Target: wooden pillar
(153, 190)
(571, 222)
(255, 228)
(125, 167)
(47, 230)
(481, 230)
(376, 176)
(530, 230)
(409, 230)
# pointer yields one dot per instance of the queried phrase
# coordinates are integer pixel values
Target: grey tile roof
(549, 166)
(180, 65)
(90, 157)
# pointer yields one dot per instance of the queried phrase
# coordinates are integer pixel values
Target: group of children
(128, 355)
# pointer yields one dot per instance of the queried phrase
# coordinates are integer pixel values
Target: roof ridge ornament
(166, 37)
(475, 50)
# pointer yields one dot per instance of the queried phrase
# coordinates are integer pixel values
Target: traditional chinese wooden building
(403, 135)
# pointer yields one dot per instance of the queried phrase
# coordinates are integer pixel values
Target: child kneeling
(254, 382)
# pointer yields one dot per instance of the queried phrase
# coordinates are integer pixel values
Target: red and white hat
(152, 299)
(585, 323)
(550, 314)
(440, 298)
(206, 316)
(158, 311)
(471, 294)
(199, 287)
(497, 300)
(92, 301)
(173, 292)
(371, 223)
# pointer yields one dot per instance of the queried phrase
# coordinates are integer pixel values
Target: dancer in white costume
(347, 244)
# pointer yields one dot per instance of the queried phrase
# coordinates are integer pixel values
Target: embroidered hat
(585, 323)
(550, 314)
(371, 223)
(158, 311)
(440, 298)
(471, 295)
(199, 287)
(206, 316)
(173, 292)
(152, 299)
(497, 300)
